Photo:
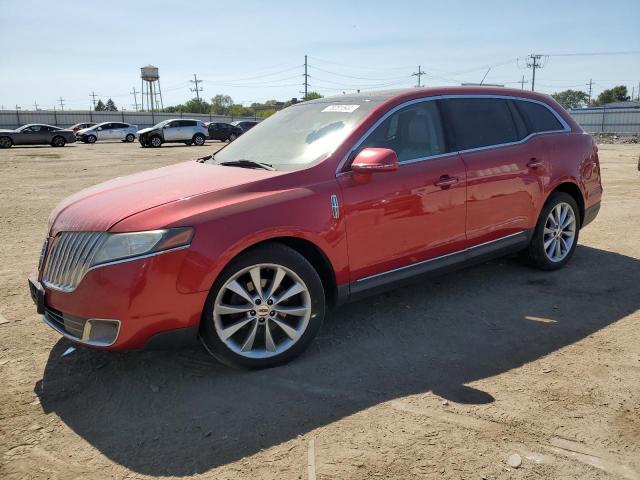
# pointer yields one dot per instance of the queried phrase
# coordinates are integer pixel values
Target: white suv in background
(177, 130)
(108, 131)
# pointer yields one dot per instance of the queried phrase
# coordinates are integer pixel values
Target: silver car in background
(124, 132)
(178, 130)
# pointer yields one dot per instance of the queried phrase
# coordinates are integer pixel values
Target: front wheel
(232, 137)
(91, 139)
(556, 235)
(155, 142)
(5, 142)
(264, 309)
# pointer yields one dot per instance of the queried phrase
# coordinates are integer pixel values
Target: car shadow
(26, 147)
(179, 413)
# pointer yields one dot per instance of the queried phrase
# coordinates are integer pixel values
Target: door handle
(535, 163)
(445, 181)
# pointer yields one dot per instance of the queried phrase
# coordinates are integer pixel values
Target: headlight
(121, 246)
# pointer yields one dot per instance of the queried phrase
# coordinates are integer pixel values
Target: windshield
(161, 124)
(298, 135)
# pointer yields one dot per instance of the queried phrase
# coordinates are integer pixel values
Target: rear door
(395, 219)
(504, 184)
(119, 131)
(188, 129)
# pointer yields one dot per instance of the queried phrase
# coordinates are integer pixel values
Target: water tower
(151, 88)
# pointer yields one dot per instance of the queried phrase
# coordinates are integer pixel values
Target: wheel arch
(310, 251)
(572, 189)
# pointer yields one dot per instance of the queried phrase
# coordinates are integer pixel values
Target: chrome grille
(62, 322)
(69, 258)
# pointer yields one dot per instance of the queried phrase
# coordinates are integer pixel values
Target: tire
(129, 138)
(232, 137)
(6, 142)
(91, 139)
(290, 333)
(155, 142)
(561, 242)
(58, 141)
(199, 140)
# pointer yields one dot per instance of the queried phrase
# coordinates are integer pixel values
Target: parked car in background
(326, 201)
(81, 126)
(36, 134)
(245, 125)
(224, 131)
(176, 130)
(124, 132)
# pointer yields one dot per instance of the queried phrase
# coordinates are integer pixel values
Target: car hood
(146, 130)
(100, 207)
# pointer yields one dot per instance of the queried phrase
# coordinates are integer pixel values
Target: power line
(418, 74)
(589, 54)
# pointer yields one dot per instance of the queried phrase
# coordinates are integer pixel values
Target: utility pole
(305, 84)
(61, 101)
(93, 97)
(418, 74)
(590, 88)
(196, 89)
(135, 97)
(534, 63)
(35, 104)
(522, 82)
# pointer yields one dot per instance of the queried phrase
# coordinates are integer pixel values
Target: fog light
(100, 332)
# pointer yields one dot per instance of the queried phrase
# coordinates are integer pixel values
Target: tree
(312, 96)
(615, 94)
(571, 98)
(220, 104)
(110, 106)
(100, 106)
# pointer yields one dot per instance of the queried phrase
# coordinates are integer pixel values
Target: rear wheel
(5, 142)
(155, 142)
(199, 139)
(58, 141)
(264, 309)
(130, 137)
(556, 235)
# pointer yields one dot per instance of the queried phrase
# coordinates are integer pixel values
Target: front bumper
(124, 305)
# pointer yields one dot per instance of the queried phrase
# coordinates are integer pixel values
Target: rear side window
(538, 117)
(480, 122)
(189, 123)
(412, 132)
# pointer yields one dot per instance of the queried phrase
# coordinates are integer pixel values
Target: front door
(172, 130)
(395, 219)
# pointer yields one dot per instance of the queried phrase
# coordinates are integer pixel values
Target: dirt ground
(444, 379)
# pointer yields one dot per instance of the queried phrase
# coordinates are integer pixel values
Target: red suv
(326, 201)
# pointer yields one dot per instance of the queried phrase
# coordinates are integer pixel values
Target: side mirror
(372, 160)
(99, 128)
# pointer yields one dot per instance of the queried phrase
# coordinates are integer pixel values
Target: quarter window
(538, 117)
(480, 122)
(412, 132)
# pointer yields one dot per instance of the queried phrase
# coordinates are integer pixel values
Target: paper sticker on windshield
(340, 108)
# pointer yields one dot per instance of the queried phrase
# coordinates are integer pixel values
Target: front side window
(538, 117)
(412, 132)
(480, 122)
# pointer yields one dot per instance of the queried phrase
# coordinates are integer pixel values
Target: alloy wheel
(5, 142)
(559, 232)
(262, 310)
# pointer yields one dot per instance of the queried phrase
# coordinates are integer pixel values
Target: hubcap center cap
(262, 310)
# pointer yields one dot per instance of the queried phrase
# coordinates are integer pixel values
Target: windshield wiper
(247, 164)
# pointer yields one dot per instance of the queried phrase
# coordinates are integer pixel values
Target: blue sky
(254, 50)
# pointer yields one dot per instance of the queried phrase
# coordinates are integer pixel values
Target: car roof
(38, 125)
(405, 94)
